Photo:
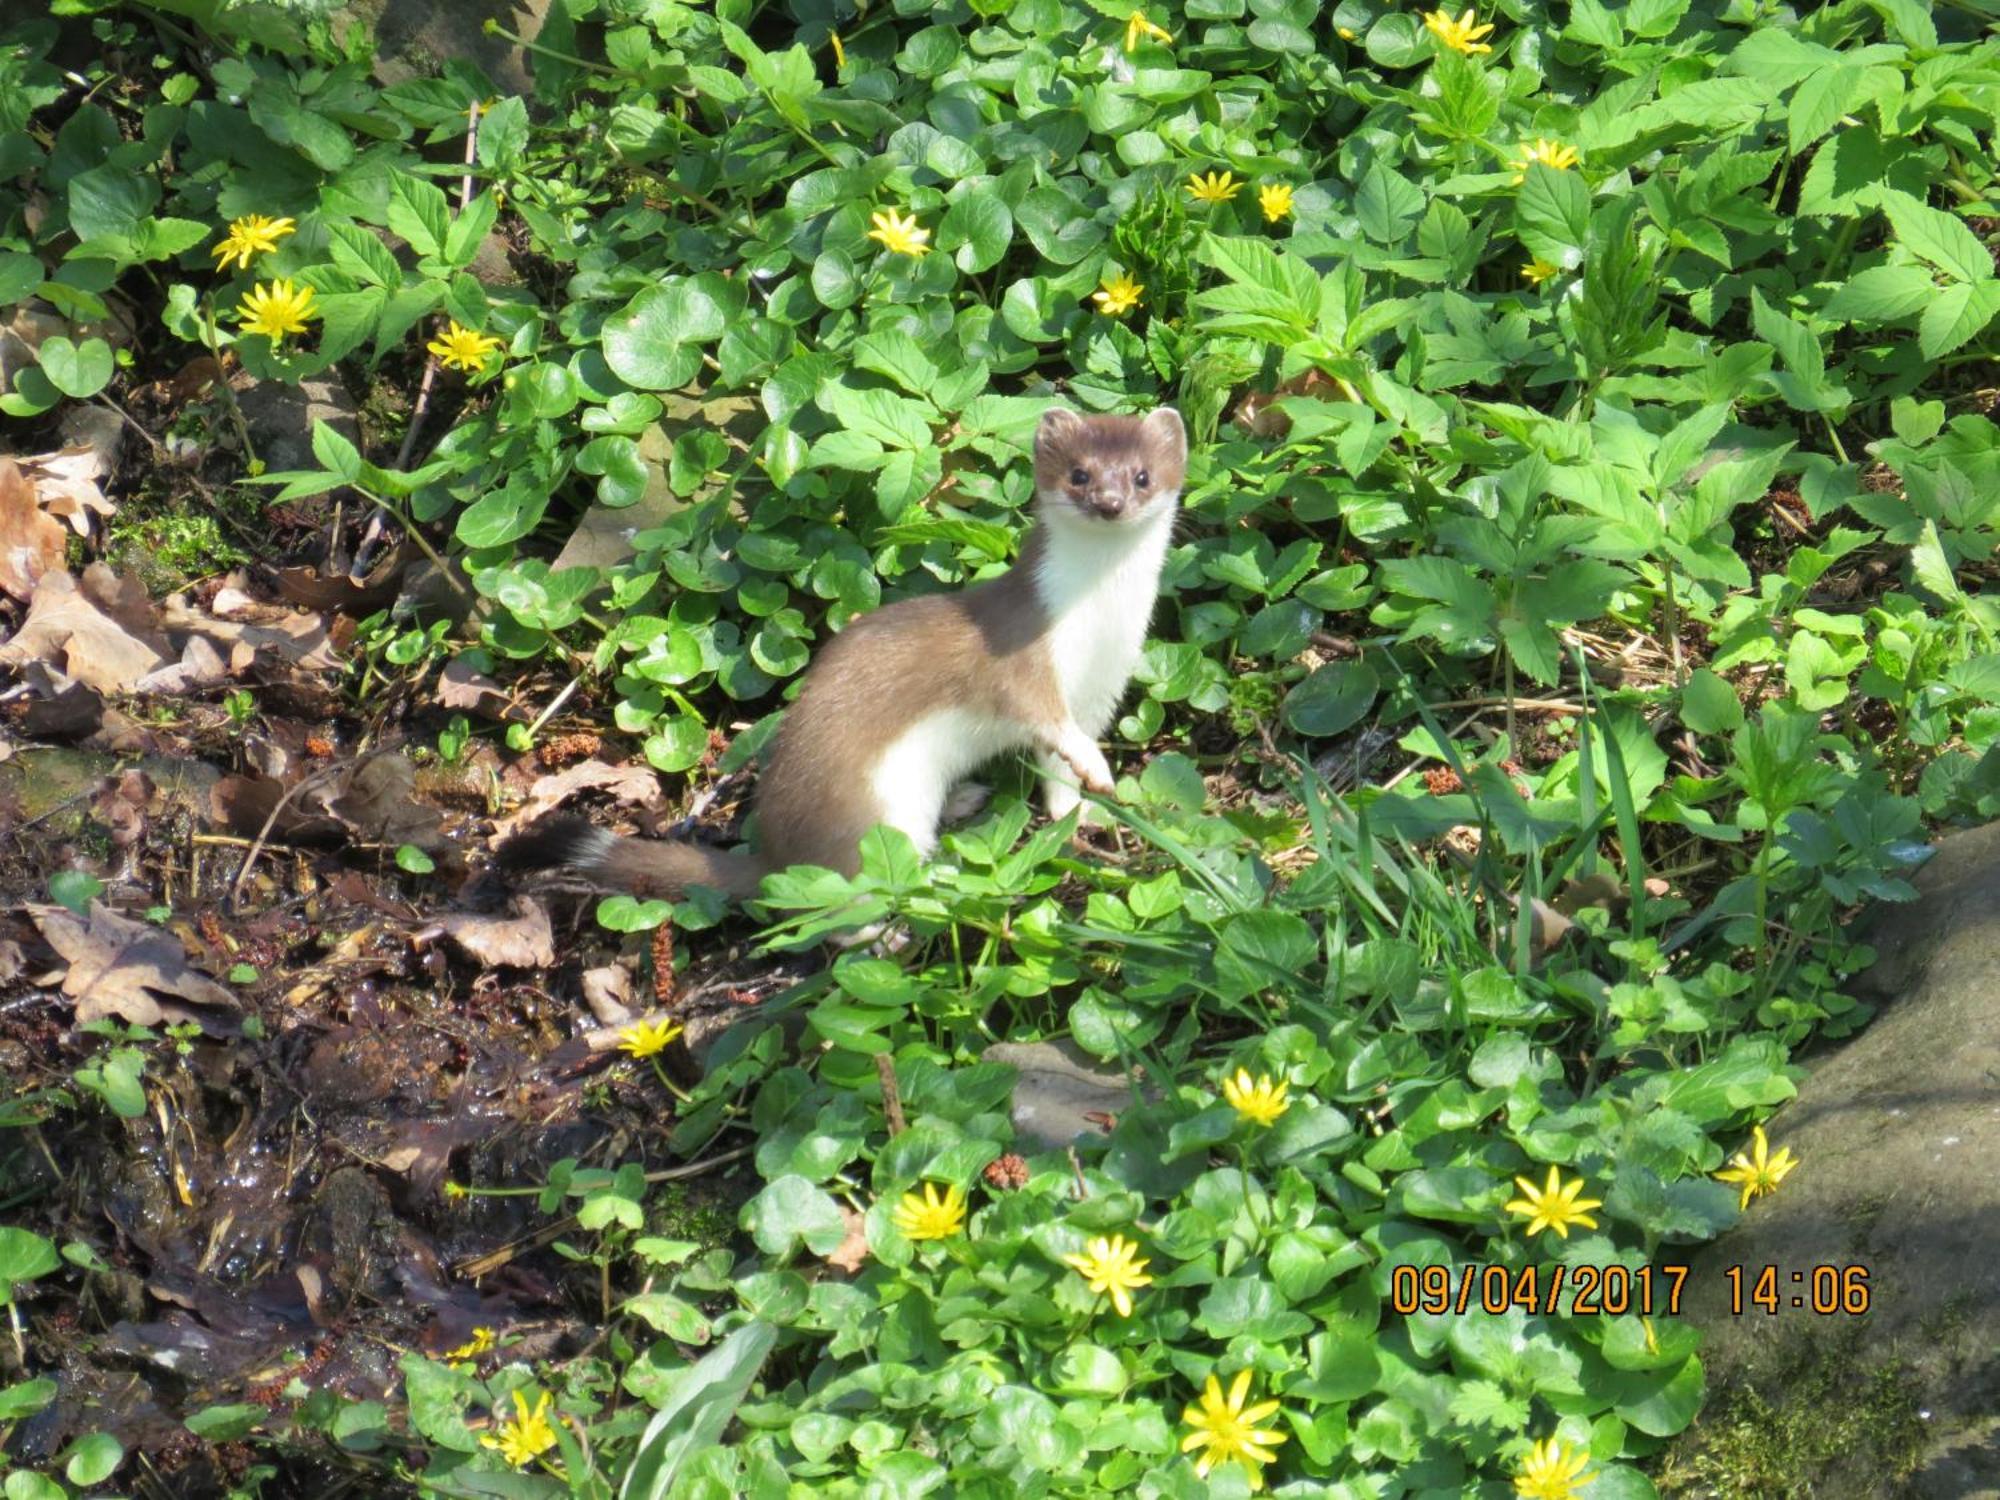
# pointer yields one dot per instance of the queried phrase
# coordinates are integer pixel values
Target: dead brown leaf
(119, 967)
(68, 629)
(242, 629)
(608, 993)
(306, 586)
(67, 483)
(200, 666)
(633, 783)
(31, 540)
(521, 940)
(120, 805)
(851, 1254)
(462, 688)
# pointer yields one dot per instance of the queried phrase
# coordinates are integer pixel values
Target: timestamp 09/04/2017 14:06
(1825, 1290)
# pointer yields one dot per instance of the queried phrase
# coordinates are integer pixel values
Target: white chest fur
(1099, 585)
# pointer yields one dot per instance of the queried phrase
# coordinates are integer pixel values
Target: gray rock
(1898, 1140)
(412, 38)
(1062, 1095)
(281, 417)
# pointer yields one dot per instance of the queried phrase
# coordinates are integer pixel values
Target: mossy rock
(1897, 1136)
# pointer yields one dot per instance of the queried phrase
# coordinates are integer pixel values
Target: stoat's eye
(1079, 476)
(1142, 479)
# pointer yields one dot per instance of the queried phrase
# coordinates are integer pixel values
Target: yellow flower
(839, 52)
(1460, 35)
(1111, 1266)
(250, 235)
(1554, 1206)
(481, 1342)
(1538, 271)
(1216, 187)
(1226, 1432)
(462, 349)
(1346, 33)
(931, 1217)
(1260, 1101)
(525, 1436)
(899, 233)
(1552, 1471)
(275, 308)
(1275, 198)
(1553, 154)
(1117, 295)
(648, 1038)
(1757, 1171)
(1138, 29)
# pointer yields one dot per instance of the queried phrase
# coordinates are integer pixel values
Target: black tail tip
(556, 843)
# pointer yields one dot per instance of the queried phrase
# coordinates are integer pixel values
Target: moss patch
(1837, 1430)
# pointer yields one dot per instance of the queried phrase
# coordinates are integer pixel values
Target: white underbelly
(917, 771)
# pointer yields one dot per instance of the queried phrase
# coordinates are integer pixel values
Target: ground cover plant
(1585, 601)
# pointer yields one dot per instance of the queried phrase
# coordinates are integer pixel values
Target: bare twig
(892, 1097)
(243, 871)
(431, 361)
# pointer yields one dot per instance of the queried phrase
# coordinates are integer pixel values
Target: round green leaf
(94, 1459)
(652, 342)
(24, 1255)
(976, 230)
(77, 370)
(1333, 699)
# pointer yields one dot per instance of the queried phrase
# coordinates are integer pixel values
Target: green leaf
(1955, 315)
(469, 230)
(1709, 705)
(653, 343)
(1553, 210)
(359, 253)
(503, 134)
(1882, 294)
(77, 370)
(110, 200)
(94, 1459)
(24, 1256)
(1941, 238)
(20, 274)
(25, 1398)
(225, 1424)
(976, 230)
(1821, 99)
(409, 857)
(694, 1410)
(418, 212)
(75, 889)
(791, 1212)
(1387, 203)
(1334, 698)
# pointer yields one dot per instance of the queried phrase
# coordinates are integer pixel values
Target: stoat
(897, 710)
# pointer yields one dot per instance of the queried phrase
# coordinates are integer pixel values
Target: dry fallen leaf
(119, 967)
(241, 629)
(635, 783)
(31, 540)
(68, 629)
(851, 1254)
(461, 688)
(200, 666)
(608, 993)
(522, 940)
(67, 481)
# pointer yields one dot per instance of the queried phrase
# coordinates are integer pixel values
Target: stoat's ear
(1058, 427)
(1164, 428)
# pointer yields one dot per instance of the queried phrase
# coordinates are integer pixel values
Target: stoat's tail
(645, 867)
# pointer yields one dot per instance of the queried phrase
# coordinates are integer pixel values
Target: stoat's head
(1109, 471)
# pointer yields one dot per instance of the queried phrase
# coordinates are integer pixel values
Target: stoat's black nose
(1111, 507)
